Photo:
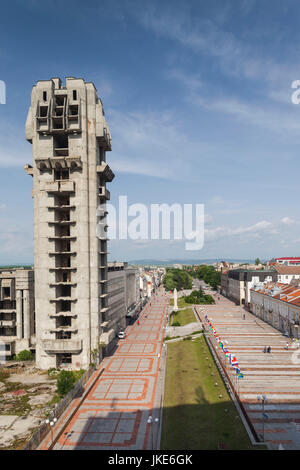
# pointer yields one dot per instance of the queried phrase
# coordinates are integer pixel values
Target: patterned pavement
(114, 413)
(275, 375)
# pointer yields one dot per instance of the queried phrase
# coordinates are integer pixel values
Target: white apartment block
(277, 304)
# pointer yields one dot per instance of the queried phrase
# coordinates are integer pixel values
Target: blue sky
(197, 95)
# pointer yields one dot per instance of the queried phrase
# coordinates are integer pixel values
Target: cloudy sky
(198, 98)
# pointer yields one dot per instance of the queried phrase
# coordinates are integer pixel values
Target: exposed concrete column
(26, 315)
(19, 313)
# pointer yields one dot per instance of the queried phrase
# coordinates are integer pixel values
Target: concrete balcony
(62, 268)
(62, 208)
(105, 171)
(62, 314)
(61, 222)
(55, 253)
(103, 136)
(64, 328)
(103, 192)
(61, 283)
(61, 187)
(58, 299)
(62, 345)
(62, 237)
(8, 323)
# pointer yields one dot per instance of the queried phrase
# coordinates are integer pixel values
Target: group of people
(267, 349)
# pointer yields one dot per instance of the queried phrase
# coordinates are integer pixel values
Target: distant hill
(170, 262)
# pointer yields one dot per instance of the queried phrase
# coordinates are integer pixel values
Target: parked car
(121, 334)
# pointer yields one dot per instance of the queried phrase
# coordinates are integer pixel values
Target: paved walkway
(276, 375)
(114, 413)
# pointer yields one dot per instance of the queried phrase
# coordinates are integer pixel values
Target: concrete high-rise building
(17, 323)
(69, 134)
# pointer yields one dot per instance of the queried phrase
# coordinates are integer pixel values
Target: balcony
(62, 314)
(62, 223)
(64, 268)
(69, 329)
(103, 192)
(62, 237)
(103, 136)
(58, 299)
(62, 345)
(105, 172)
(62, 283)
(62, 208)
(8, 323)
(61, 186)
(54, 253)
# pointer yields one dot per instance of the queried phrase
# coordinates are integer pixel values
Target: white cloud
(288, 221)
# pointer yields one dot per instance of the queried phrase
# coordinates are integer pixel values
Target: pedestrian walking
(286, 346)
(265, 349)
(269, 349)
(244, 316)
(138, 322)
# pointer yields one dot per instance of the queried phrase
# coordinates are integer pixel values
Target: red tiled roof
(287, 269)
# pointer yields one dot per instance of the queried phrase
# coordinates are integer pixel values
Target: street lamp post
(151, 422)
(263, 400)
(51, 423)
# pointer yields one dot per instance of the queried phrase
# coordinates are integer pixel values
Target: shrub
(65, 382)
(176, 323)
(52, 372)
(24, 355)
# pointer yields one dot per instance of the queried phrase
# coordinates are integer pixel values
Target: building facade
(236, 283)
(122, 296)
(67, 128)
(17, 321)
(277, 304)
(287, 274)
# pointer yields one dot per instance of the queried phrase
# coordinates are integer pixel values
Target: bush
(65, 382)
(176, 323)
(24, 355)
(52, 372)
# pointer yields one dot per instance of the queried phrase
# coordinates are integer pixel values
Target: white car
(121, 334)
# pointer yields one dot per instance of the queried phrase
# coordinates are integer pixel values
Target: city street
(115, 413)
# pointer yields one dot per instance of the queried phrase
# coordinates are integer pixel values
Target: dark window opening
(6, 292)
(66, 306)
(61, 174)
(62, 359)
(44, 95)
(74, 95)
(66, 291)
(60, 100)
(43, 111)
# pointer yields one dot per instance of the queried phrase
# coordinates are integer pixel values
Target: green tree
(24, 355)
(65, 382)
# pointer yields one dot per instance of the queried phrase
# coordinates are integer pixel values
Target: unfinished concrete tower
(69, 135)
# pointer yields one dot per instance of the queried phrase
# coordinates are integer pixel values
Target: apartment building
(122, 294)
(287, 274)
(17, 322)
(278, 304)
(236, 283)
(69, 134)
(286, 261)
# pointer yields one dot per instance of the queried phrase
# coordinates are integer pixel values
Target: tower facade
(70, 137)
